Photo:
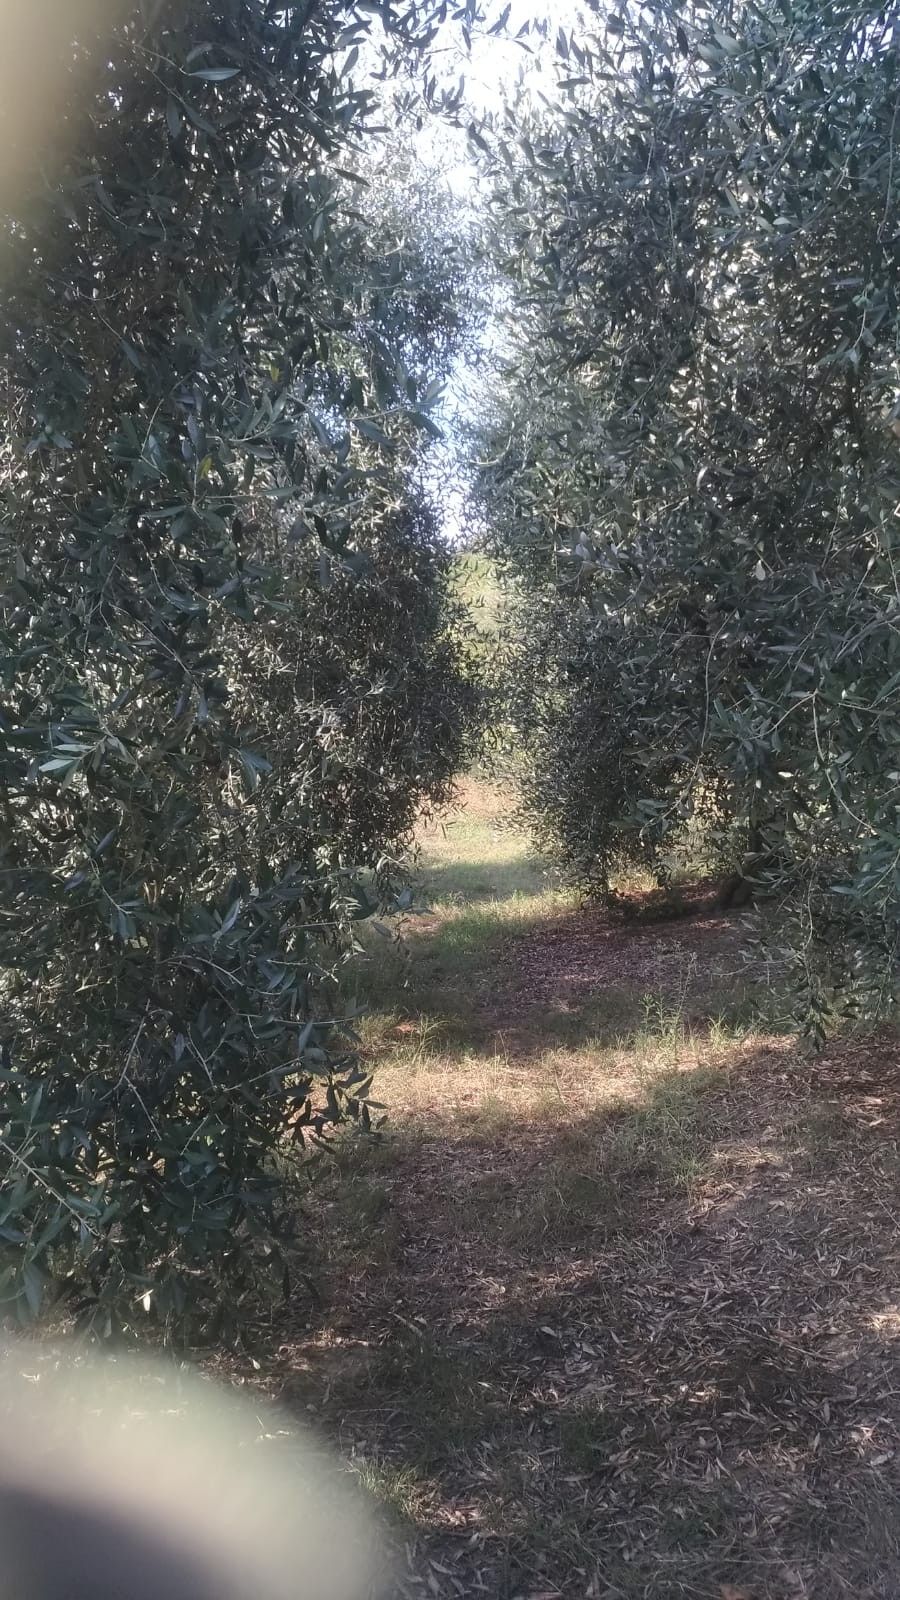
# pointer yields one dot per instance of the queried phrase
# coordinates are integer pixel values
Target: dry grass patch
(611, 1309)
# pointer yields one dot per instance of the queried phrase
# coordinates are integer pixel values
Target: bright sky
(499, 65)
(497, 68)
(497, 62)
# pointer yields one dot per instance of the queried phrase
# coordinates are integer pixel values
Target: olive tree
(222, 630)
(696, 450)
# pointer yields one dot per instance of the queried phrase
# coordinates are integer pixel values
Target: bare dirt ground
(612, 1309)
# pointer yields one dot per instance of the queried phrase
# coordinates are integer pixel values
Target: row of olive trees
(230, 668)
(694, 468)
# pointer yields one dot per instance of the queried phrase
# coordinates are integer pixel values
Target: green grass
(601, 1170)
(397, 1491)
(486, 891)
(627, 1080)
(472, 857)
(480, 876)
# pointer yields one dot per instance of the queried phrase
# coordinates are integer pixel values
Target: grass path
(611, 1309)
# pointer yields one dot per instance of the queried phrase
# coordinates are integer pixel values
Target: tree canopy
(230, 674)
(696, 451)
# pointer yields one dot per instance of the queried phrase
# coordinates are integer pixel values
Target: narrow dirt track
(631, 1329)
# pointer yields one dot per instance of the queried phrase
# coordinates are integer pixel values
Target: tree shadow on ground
(651, 1352)
(540, 975)
(477, 882)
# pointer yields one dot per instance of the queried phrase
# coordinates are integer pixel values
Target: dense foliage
(229, 675)
(694, 467)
